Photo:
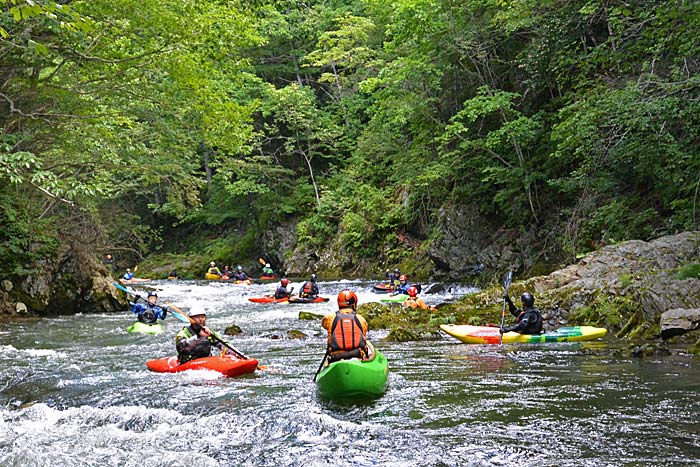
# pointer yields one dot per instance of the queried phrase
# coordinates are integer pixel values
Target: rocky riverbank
(625, 288)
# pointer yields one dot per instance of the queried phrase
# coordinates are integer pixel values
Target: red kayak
(308, 300)
(268, 299)
(268, 278)
(383, 288)
(227, 365)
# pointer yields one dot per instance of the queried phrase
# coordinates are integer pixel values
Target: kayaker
(282, 291)
(310, 288)
(227, 272)
(196, 340)
(402, 287)
(128, 275)
(413, 301)
(528, 318)
(394, 279)
(149, 312)
(267, 270)
(347, 331)
(173, 274)
(214, 270)
(240, 274)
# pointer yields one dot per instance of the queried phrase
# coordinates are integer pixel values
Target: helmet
(313, 277)
(197, 310)
(152, 294)
(396, 271)
(402, 278)
(267, 265)
(284, 282)
(527, 299)
(128, 269)
(412, 291)
(239, 267)
(212, 264)
(347, 299)
(109, 256)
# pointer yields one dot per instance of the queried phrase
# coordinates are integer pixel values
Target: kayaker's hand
(205, 332)
(165, 312)
(137, 298)
(501, 330)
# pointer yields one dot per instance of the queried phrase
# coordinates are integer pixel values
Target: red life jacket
(346, 333)
(307, 287)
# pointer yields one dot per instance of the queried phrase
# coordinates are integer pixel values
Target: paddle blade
(262, 261)
(121, 287)
(507, 279)
(179, 314)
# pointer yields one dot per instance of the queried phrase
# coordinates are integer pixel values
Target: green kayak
(144, 328)
(354, 378)
(400, 298)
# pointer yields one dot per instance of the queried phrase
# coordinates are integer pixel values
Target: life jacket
(308, 287)
(411, 302)
(346, 333)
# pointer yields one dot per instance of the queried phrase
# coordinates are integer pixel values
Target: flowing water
(75, 391)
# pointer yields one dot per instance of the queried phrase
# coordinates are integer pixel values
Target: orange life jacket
(307, 288)
(346, 333)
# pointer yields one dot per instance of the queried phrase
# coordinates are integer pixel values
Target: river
(75, 391)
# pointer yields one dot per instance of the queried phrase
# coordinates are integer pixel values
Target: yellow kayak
(490, 335)
(214, 277)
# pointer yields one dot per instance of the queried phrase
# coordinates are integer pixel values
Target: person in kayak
(196, 340)
(173, 274)
(528, 318)
(267, 270)
(240, 274)
(310, 288)
(128, 275)
(394, 279)
(282, 291)
(227, 272)
(347, 331)
(413, 301)
(149, 312)
(213, 269)
(402, 287)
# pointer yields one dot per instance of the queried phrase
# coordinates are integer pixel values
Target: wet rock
(679, 321)
(307, 315)
(233, 330)
(402, 335)
(7, 285)
(649, 350)
(21, 308)
(296, 334)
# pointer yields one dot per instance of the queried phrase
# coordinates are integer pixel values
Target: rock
(307, 315)
(233, 330)
(679, 321)
(295, 334)
(21, 308)
(7, 285)
(401, 335)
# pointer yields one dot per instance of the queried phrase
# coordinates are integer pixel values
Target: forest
(140, 127)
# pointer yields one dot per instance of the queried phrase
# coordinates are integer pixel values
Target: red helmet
(403, 278)
(347, 299)
(284, 282)
(412, 291)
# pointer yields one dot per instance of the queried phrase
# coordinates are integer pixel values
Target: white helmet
(212, 264)
(197, 310)
(267, 265)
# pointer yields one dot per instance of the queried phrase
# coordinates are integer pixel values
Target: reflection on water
(75, 391)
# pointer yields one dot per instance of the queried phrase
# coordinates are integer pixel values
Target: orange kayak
(227, 365)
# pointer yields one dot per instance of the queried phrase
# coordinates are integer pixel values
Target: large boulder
(679, 321)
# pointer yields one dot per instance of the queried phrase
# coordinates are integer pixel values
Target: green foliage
(689, 271)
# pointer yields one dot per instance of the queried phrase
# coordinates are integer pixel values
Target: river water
(75, 391)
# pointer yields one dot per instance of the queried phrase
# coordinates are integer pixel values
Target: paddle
(506, 283)
(262, 261)
(321, 365)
